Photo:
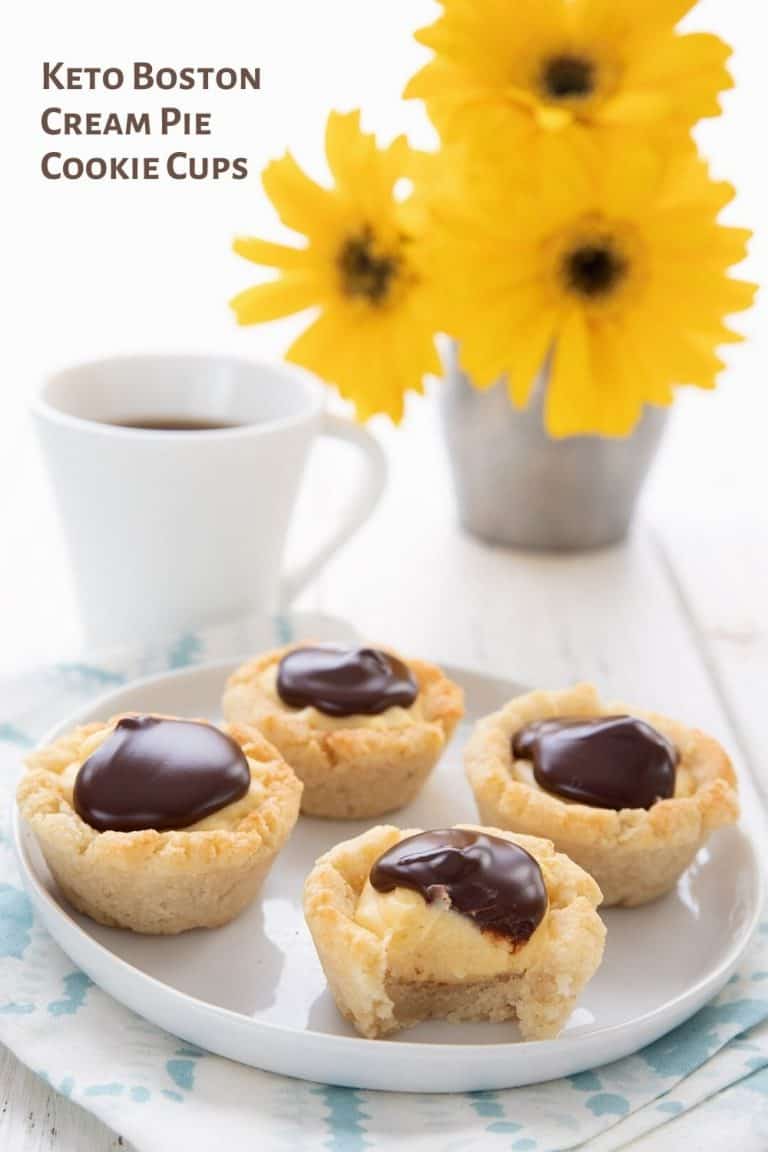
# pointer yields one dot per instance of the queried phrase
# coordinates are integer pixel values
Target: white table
(676, 620)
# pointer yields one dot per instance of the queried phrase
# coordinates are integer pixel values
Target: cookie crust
(635, 855)
(159, 882)
(361, 767)
(545, 975)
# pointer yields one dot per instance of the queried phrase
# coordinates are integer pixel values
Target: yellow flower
(362, 266)
(521, 72)
(619, 281)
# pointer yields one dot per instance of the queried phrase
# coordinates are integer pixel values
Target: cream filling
(224, 820)
(522, 771)
(391, 718)
(433, 942)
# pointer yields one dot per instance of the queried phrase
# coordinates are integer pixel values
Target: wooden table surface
(675, 620)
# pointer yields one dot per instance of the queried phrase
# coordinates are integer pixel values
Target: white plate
(254, 990)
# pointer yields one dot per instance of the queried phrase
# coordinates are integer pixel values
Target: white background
(97, 268)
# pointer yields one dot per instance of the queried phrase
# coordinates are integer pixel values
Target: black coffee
(173, 424)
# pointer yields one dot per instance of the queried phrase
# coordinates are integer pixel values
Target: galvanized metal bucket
(517, 486)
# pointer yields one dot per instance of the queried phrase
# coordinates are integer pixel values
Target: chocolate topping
(345, 681)
(606, 761)
(161, 774)
(495, 883)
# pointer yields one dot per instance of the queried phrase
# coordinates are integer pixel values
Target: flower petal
(317, 347)
(300, 203)
(531, 357)
(570, 407)
(269, 254)
(372, 357)
(264, 302)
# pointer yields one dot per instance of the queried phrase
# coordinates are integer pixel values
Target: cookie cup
(159, 882)
(634, 854)
(536, 982)
(353, 767)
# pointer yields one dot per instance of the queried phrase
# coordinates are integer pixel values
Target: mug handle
(360, 506)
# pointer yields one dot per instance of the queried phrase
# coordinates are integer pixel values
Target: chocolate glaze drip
(495, 883)
(607, 761)
(345, 681)
(161, 774)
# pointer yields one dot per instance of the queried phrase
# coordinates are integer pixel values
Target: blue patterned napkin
(706, 1083)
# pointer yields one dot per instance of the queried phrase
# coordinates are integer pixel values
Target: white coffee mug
(172, 529)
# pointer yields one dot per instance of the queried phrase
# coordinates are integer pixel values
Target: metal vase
(518, 487)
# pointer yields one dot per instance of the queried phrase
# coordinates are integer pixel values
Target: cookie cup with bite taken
(405, 929)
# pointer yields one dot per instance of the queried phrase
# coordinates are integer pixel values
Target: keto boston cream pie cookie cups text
(630, 796)
(158, 824)
(465, 923)
(360, 727)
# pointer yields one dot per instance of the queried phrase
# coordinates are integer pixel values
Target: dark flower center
(565, 77)
(364, 271)
(594, 269)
